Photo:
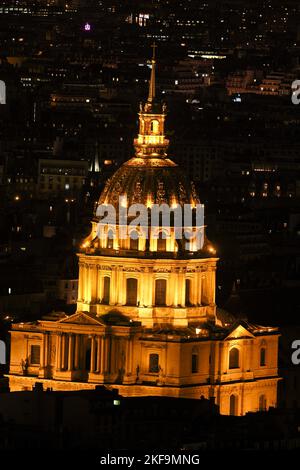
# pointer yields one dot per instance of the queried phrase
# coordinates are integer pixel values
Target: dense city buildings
(72, 77)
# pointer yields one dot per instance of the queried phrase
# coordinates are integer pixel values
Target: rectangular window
(154, 363)
(35, 352)
(194, 363)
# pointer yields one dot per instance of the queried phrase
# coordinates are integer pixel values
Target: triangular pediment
(82, 318)
(239, 332)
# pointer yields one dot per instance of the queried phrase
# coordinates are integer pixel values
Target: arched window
(154, 363)
(262, 403)
(110, 239)
(234, 358)
(161, 242)
(263, 356)
(194, 363)
(160, 292)
(154, 126)
(106, 290)
(131, 291)
(233, 406)
(187, 291)
(134, 240)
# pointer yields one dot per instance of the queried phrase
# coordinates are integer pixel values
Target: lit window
(155, 127)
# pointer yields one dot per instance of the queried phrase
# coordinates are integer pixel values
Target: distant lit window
(155, 126)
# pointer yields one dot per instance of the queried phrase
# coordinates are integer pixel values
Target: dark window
(160, 292)
(263, 356)
(106, 290)
(35, 352)
(161, 243)
(194, 363)
(154, 363)
(110, 239)
(234, 358)
(134, 241)
(233, 405)
(131, 291)
(262, 403)
(187, 291)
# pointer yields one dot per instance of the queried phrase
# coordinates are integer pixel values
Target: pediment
(82, 318)
(239, 332)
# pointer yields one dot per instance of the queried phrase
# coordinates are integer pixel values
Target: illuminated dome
(149, 178)
(149, 181)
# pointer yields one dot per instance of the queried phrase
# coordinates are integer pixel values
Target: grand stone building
(146, 320)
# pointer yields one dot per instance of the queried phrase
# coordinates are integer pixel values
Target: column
(46, 347)
(63, 351)
(83, 282)
(199, 288)
(98, 357)
(70, 352)
(93, 283)
(93, 354)
(128, 366)
(107, 355)
(102, 355)
(42, 359)
(100, 285)
(119, 290)
(113, 284)
(181, 288)
(212, 285)
(174, 288)
(58, 351)
(77, 350)
(205, 288)
(80, 279)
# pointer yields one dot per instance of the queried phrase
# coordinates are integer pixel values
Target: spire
(152, 79)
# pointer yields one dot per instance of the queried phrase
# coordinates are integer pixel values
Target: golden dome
(149, 181)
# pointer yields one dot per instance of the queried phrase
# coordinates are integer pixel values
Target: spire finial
(152, 79)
